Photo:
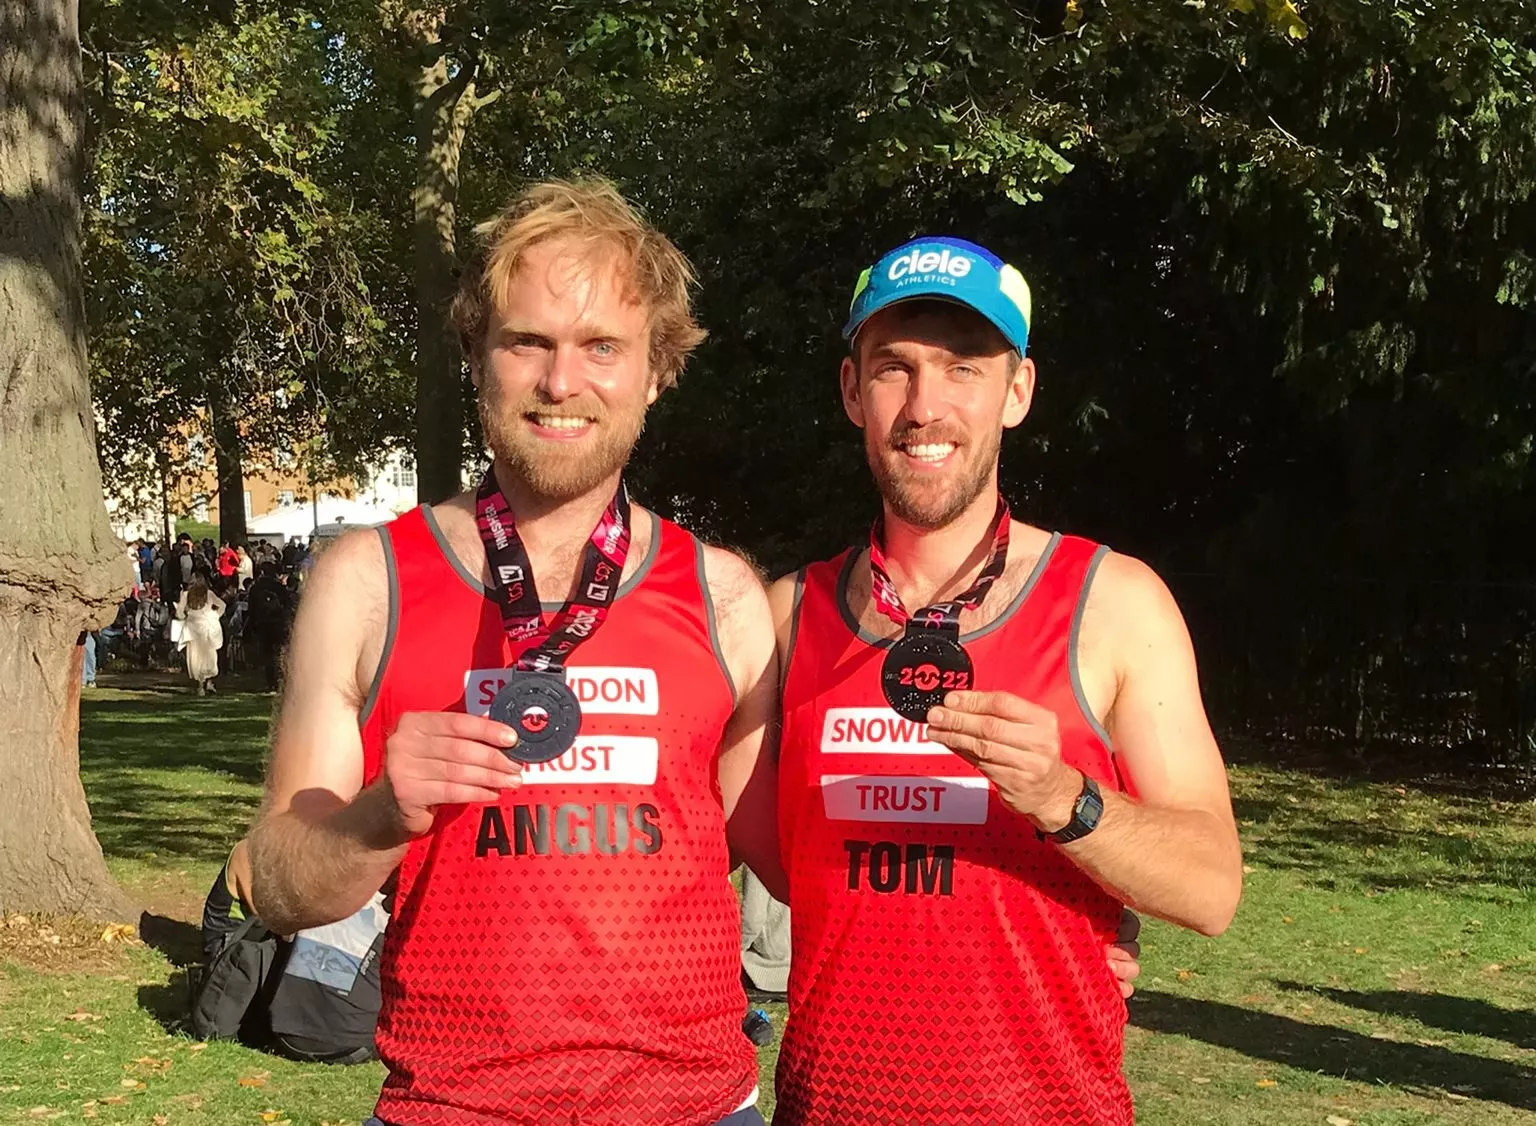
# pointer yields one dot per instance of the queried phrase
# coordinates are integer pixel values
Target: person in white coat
(202, 635)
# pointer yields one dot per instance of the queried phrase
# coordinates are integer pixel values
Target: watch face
(1090, 807)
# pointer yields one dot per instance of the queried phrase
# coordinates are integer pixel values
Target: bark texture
(445, 102)
(61, 569)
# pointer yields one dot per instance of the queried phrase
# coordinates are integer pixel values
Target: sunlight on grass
(1381, 969)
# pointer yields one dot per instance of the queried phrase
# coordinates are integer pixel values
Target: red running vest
(570, 954)
(949, 966)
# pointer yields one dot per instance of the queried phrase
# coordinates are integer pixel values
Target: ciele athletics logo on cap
(933, 264)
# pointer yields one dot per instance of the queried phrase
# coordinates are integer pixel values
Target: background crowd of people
(208, 608)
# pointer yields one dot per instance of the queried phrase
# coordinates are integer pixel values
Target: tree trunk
(227, 460)
(61, 569)
(445, 101)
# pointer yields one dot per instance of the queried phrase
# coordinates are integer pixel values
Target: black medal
(919, 669)
(543, 711)
(927, 660)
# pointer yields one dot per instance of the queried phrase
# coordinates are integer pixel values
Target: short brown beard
(550, 475)
(935, 512)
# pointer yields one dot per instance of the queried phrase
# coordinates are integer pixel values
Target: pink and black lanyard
(522, 617)
(942, 617)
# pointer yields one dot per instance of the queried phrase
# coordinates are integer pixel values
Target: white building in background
(279, 505)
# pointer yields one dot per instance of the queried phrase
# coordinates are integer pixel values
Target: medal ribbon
(602, 565)
(943, 617)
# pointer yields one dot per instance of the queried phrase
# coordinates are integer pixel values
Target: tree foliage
(1280, 252)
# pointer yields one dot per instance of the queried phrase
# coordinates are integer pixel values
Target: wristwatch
(1086, 812)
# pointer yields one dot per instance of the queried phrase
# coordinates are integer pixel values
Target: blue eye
(604, 349)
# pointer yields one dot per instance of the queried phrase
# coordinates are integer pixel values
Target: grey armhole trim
(709, 618)
(1072, 635)
(451, 556)
(393, 626)
(794, 628)
(474, 583)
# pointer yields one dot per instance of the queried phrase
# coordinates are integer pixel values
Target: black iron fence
(1440, 674)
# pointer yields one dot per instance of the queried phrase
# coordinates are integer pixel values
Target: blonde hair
(607, 227)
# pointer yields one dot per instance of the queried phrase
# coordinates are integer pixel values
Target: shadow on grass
(1337, 1052)
(170, 1004)
(181, 943)
(177, 778)
(1438, 1010)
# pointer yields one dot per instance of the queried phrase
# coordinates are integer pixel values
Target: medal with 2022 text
(927, 660)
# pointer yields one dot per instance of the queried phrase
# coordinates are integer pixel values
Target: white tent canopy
(291, 520)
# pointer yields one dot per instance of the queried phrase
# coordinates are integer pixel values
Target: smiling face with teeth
(564, 376)
(933, 385)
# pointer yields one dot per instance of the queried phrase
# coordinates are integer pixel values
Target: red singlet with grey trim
(949, 966)
(571, 953)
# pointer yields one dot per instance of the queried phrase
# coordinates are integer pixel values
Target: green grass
(1381, 969)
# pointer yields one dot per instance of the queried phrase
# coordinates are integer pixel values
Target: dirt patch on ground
(51, 944)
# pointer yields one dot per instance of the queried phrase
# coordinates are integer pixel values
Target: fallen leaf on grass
(1362, 950)
(115, 1100)
(257, 1080)
(120, 932)
(196, 1047)
(80, 1016)
(1266, 1083)
(160, 1120)
(1339, 1120)
(1199, 1079)
(1185, 975)
(132, 1084)
(1287, 919)
(1455, 1098)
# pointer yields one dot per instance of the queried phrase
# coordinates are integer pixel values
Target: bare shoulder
(1127, 585)
(339, 629)
(781, 602)
(1130, 616)
(735, 586)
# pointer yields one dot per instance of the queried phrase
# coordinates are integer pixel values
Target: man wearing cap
(993, 738)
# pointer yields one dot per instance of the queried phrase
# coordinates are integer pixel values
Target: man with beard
(992, 739)
(563, 944)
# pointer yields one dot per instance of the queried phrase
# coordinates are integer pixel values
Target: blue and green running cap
(949, 269)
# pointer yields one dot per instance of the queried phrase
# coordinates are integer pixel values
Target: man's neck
(553, 532)
(930, 564)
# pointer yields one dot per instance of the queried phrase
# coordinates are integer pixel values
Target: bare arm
(748, 754)
(323, 843)
(1172, 850)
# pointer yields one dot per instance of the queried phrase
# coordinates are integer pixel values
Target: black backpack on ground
(303, 998)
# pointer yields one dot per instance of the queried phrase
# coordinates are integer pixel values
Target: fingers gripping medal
(535, 701)
(928, 660)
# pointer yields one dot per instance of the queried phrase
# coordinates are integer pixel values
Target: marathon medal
(920, 668)
(543, 711)
(535, 701)
(928, 661)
